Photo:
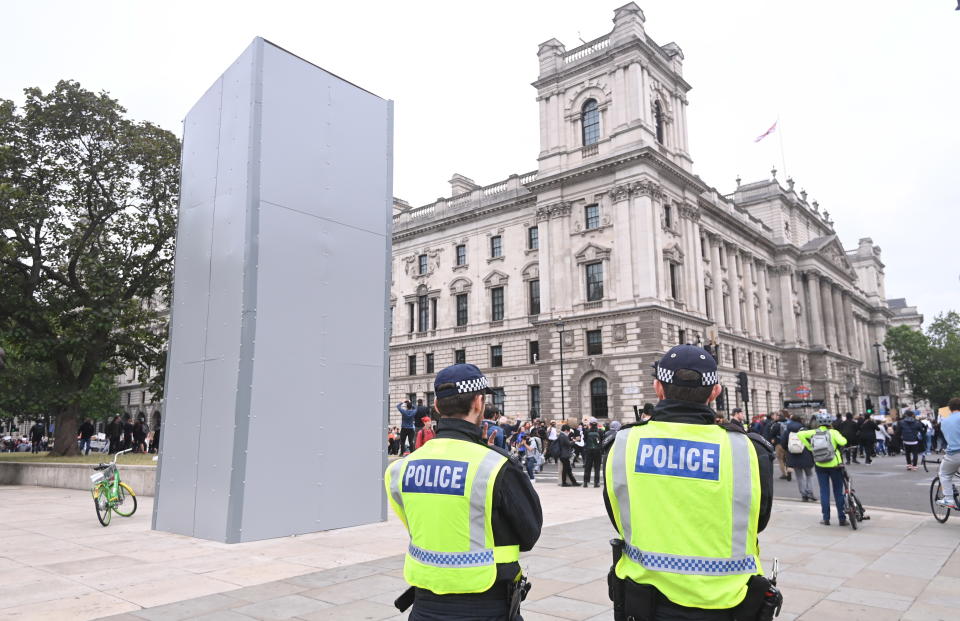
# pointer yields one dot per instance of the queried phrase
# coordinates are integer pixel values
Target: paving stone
(544, 587)
(362, 588)
(188, 609)
(263, 591)
(285, 607)
(830, 610)
(566, 607)
(354, 611)
(904, 564)
(880, 599)
(887, 582)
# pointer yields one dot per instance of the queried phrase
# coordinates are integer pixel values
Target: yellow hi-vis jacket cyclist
(687, 502)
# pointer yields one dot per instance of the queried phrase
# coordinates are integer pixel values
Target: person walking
(469, 510)
(773, 433)
(565, 451)
(867, 436)
(85, 431)
(798, 457)
(36, 437)
(688, 498)
(552, 435)
(950, 462)
(824, 443)
(911, 436)
(113, 431)
(426, 432)
(127, 428)
(408, 427)
(532, 454)
(591, 454)
(882, 438)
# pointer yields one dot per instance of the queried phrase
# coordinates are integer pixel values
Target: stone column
(646, 226)
(751, 326)
(624, 247)
(788, 328)
(546, 269)
(762, 284)
(698, 263)
(734, 289)
(838, 317)
(570, 284)
(850, 328)
(718, 316)
(829, 322)
(814, 310)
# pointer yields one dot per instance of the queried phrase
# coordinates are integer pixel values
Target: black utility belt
(498, 592)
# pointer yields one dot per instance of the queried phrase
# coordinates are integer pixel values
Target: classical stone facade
(617, 240)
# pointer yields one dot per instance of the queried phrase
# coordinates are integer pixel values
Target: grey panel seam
(387, 325)
(248, 317)
(313, 215)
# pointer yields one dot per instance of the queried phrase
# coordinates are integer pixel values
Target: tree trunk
(65, 433)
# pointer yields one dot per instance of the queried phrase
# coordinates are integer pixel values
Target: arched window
(590, 119)
(598, 398)
(658, 118)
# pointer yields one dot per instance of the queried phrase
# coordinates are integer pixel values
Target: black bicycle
(941, 513)
(924, 461)
(854, 509)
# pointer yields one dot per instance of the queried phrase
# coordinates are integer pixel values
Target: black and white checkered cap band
(472, 385)
(706, 379)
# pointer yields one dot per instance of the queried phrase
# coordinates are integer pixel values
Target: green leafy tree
(87, 221)
(931, 360)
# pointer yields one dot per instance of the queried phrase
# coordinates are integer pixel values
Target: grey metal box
(275, 403)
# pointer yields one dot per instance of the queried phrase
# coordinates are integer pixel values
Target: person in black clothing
(113, 431)
(591, 453)
(86, 432)
(140, 435)
(911, 434)
(849, 430)
(517, 517)
(867, 436)
(127, 427)
(566, 450)
(36, 437)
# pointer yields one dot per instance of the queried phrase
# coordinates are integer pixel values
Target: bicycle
(924, 462)
(110, 494)
(941, 513)
(854, 509)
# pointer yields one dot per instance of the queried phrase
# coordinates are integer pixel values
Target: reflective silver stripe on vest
(479, 554)
(739, 562)
(742, 493)
(395, 474)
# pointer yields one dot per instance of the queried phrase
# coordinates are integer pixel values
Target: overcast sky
(866, 91)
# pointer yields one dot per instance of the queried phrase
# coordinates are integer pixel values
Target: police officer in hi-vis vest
(688, 497)
(470, 510)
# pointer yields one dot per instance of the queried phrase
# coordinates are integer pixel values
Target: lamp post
(563, 398)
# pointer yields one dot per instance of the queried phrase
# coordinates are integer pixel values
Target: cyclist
(950, 463)
(827, 463)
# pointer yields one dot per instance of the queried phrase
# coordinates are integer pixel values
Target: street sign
(631, 390)
(803, 391)
(804, 403)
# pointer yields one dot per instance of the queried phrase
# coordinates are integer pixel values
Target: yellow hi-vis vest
(686, 499)
(443, 493)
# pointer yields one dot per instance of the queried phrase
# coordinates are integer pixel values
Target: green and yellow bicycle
(110, 494)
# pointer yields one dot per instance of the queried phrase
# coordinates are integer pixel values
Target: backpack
(822, 444)
(794, 445)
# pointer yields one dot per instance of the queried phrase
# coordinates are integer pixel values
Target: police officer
(470, 510)
(688, 497)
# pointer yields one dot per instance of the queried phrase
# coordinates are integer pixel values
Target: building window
(667, 216)
(594, 342)
(590, 120)
(703, 249)
(496, 304)
(726, 309)
(723, 257)
(429, 363)
(534, 348)
(422, 262)
(534, 289)
(592, 216)
(675, 281)
(461, 254)
(459, 356)
(733, 356)
(412, 365)
(681, 336)
(499, 398)
(433, 313)
(412, 317)
(534, 402)
(594, 281)
(412, 398)
(423, 312)
(533, 238)
(706, 302)
(462, 309)
(749, 361)
(496, 355)
(598, 397)
(496, 246)
(429, 399)
(659, 120)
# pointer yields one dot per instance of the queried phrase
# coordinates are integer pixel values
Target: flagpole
(783, 159)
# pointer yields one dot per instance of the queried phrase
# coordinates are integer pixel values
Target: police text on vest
(435, 476)
(679, 458)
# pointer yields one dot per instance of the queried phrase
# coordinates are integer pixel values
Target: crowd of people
(119, 434)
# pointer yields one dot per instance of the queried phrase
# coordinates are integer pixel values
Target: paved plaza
(57, 562)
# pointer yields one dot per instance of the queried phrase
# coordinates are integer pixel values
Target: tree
(931, 360)
(87, 221)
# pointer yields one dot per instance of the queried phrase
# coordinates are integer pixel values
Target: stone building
(564, 284)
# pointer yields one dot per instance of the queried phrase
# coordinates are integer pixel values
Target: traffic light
(743, 385)
(868, 405)
(721, 401)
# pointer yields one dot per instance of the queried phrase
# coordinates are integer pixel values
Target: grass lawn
(128, 459)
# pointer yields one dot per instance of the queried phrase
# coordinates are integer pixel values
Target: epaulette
(757, 438)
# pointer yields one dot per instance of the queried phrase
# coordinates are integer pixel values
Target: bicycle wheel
(126, 504)
(102, 505)
(851, 507)
(940, 514)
